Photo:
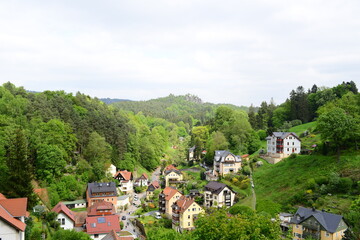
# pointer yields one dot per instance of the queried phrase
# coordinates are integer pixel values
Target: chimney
(313, 209)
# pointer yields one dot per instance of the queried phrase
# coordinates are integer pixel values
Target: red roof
(113, 236)
(80, 218)
(2, 196)
(125, 174)
(15, 206)
(145, 176)
(245, 156)
(101, 208)
(184, 203)
(7, 217)
(60, 207)
(155, 184)
(102, 224)
(170, 167)
(169, 192)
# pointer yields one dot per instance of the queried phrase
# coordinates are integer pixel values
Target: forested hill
(187, 108)
(112, 100)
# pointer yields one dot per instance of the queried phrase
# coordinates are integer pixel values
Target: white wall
(98, 238)
(7, 232)
(69, 224)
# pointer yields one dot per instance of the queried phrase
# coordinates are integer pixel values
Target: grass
(78, 209)
(125, 233)
(302, 128)
(139, 170)
(278, 183)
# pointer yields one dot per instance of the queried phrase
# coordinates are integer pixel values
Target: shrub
(241, 209)
(311, 184)
(345, 185)
(293, 155)
(322, 180)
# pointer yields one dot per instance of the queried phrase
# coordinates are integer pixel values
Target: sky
(231, 51)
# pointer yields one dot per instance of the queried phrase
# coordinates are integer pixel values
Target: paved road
(128, 226)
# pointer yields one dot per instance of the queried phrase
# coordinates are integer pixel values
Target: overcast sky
(238, 52)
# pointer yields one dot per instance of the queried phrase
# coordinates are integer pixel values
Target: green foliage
(242, 210)
(218, 225)
(70, 235)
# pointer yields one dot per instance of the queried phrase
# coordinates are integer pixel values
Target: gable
(312, 223)
(229, 157)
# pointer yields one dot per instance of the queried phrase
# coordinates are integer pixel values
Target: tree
(219, 226)
(70, 235)
(19, 166)
(336, 126)
(97, 150)
(50, 162)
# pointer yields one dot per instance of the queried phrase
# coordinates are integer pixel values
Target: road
(128, 226)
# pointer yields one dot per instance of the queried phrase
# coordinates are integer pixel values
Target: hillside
(309, 180)
(187, 108)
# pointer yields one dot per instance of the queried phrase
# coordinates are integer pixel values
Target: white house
(282, 144)
(12, 218)
(123, 200)
(226, 162)
(142, 181)
(217, 194)
(65, 216)
(126, 181)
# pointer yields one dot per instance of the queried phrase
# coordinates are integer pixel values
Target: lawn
(278, 183)
(302, 128)
(78, 209)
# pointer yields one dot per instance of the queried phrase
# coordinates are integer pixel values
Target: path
(252, 185)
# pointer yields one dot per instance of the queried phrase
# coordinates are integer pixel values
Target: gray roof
(215, 187)
(96, 187)
(75, 202)
(283, 135)
(221, 154)
(328, 221)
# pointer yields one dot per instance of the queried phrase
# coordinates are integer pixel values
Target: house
(99, 226)
(142, 181)
(285, 219)
(194, 193)
(282, 144)
(75, 204)
(12, 218)
(123, 200)
(184, 213)
(317, 224)
(173, 176)
(151, 188)
(217, 194)
(65, 216)
(101, 208)
(191, 154)
(209, 176)
(225, 162)
(96, 192)
(126, 181)
(166, 199)
(111, 170)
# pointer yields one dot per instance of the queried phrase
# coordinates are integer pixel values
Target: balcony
(176, 215)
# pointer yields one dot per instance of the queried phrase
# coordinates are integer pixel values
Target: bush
(311, 184)
(246, 170)
(322, 180)
(345, 185)
(293, 155)
(240, 209)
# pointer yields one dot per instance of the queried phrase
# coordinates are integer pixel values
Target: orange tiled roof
(171, 167)
(102, 224)
(184, 203)
(155, 184)
(7, 217)
(95, 209)
(126, 175)
(80, 218)
(15, 206)
(169, 192)
(60, 207)
(2, 196)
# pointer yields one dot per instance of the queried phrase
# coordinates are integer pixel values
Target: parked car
(123, 218)
(157, 215)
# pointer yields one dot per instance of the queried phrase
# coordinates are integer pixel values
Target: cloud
(239, 52)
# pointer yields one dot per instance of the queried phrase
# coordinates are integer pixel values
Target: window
(189, 224)
(327, 234)
(288, 143)
(96, 235)
(188, 216)
(63, 221)
(293, 143)
(194, 209)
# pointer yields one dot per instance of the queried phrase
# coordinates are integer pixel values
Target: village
(114, 210)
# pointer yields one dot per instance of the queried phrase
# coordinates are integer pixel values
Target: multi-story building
(96, 192)
(12, 218)
(184, 213)
(166, 199)
(225, 163)
(125, 181)
(100, 226)
(217, 194)
(315, 224)
(173, 176)
(142, 181)
(282, 144)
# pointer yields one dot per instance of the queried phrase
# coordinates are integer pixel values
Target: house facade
(317, 224)
(12, 218)
(97, 192)
(172, 176)
(283, 144)
(191, 154)
(184, 213)
(65, 216)
(226, 163)
(142, 181)
(166, 199)
(126, 181)
(217, 194)
(151, 188)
